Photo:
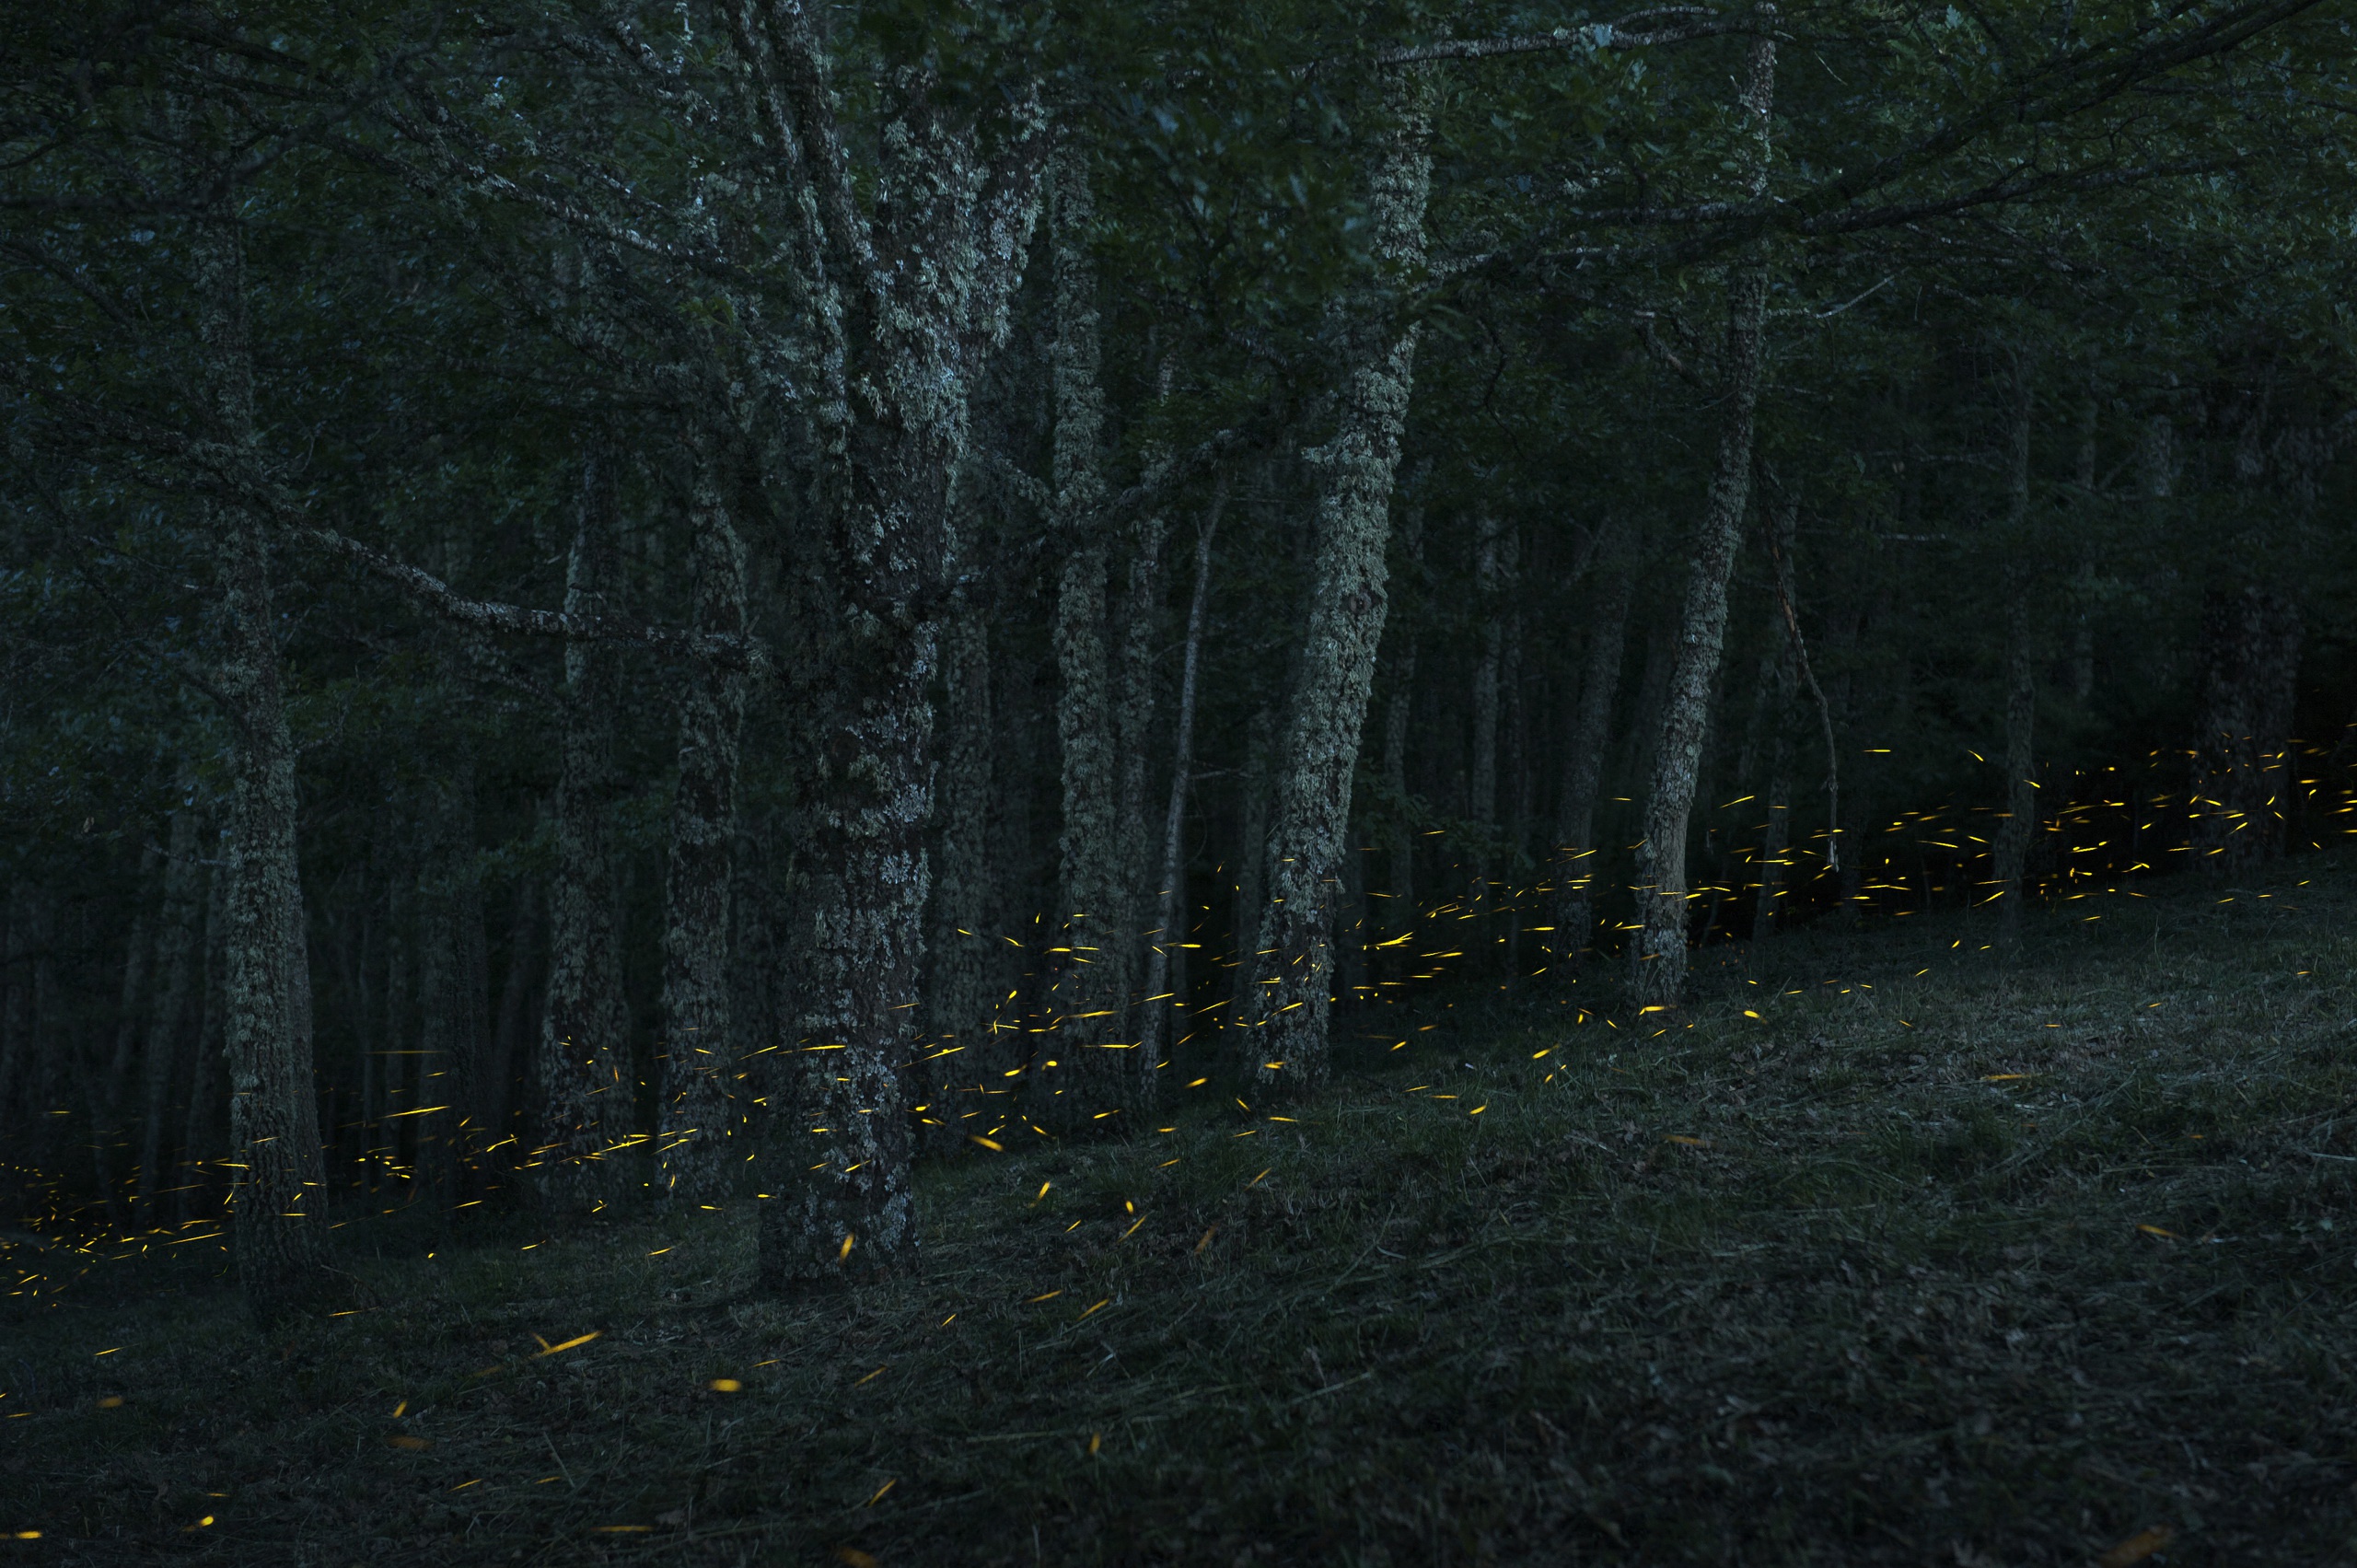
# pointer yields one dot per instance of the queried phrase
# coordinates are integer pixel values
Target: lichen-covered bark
(705, 1158)
(1658, 952)
(836, 1167)
(584, 1101)
(279, 1229)
(1577, 852)
(911, 296)
(1292, 965)
(175, 955)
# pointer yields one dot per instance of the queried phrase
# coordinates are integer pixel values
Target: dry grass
(1886, 1307)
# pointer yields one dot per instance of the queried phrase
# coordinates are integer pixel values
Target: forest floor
(1932, 1261)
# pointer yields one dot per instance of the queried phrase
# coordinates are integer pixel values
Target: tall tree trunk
(1089, 1070)
(273, 1112)
(1488, 587)
(584, 1102)
(175, 949)
(2012, 845)
(2250, 646)
(1659, 951)
(451, 993)
(1142, 617)
(1775, 841)
(1169, 930)
(704, 1158)
(2021, 670)
(202, 1144)
(962, 974)
(495, 1101)
(398, 1050)
(1251, 858)
(110, 1132)
(1398, 717)
(1579, 855)
(838, 1204)
(1343, 623)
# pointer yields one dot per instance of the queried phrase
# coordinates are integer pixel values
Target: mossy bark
(1291, 963)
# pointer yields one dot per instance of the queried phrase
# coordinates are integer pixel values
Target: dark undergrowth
(1930, 1261)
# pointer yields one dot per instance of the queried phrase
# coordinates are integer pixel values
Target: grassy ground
(1964, 1266)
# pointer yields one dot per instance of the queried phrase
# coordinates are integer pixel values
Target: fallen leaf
(2137, 1547)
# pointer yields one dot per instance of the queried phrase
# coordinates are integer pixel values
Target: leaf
(2137, 1547)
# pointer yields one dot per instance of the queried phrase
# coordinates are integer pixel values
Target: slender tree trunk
(703, 1157)
(584, 1103)
(1578, 851)
(963, 991)
(452, 995)
(1089, 1069)
(2013, 839)
(1489, 585)
(1142, 617)
(273, 1110)
(201, 1145)
(1775, 841)
(1659, 951)
(174, 949)
(496, 1102)
(2020, 671)
(398, 1050)
(1251, 859)
(2250, 644)
(1343, 625)
(111, 1131)
(1398, 717)
(1169, 924)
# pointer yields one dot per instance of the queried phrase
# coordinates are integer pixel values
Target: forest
(684, 684)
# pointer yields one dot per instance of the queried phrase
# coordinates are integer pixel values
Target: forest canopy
(611, 603)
